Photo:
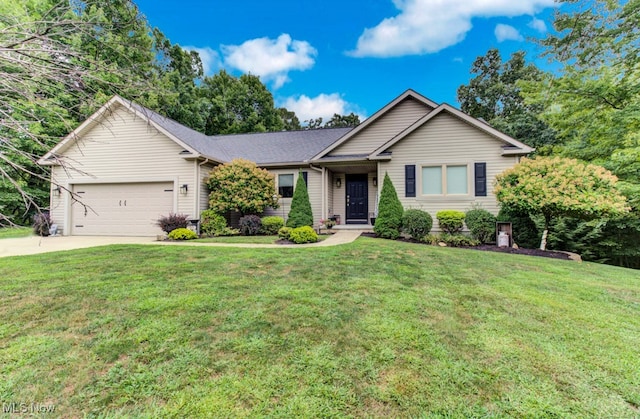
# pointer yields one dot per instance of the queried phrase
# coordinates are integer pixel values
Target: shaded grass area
(15, 232)
(373, 328)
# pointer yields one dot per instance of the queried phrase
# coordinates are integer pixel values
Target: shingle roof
(261, 148)
(278, 147)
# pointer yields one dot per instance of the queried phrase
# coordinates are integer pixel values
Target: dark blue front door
(357, 199)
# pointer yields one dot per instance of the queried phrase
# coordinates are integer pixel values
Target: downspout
(323, 194)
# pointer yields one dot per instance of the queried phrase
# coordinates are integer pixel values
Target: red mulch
(494, 248)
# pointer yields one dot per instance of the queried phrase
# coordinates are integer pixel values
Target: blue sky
(320, 58)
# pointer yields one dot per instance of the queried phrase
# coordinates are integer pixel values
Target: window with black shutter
(481, 179)
(410, 180)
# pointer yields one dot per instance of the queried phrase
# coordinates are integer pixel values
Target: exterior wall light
(184, 189)
(338, 182)
(375, 181)
(58, 190)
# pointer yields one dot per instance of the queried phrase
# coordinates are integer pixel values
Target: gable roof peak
(409, 93)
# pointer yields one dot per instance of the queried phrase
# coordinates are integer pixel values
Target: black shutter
(481, 179)
(410, 180)
(304, 176)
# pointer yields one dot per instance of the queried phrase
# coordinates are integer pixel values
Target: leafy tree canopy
(559, 186)
(241, 186)
(238, 105)
(493, 94)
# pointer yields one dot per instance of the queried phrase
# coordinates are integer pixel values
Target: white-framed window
(285, 185)
(445, 179)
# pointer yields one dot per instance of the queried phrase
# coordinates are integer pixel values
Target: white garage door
(120, 209)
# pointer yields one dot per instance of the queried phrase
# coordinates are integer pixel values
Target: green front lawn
(373, 328)
(15, 232)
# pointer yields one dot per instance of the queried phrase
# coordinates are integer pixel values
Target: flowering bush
(241, 186)
(559, 186)
(328, 223)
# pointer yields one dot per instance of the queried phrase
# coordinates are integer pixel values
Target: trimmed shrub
(300, 213)
(416, 223)
(172, 221)
(458, 240)
(482, 225)
(451, 221)
(250, 225)
(304, 234)
(41, 224)
(525, 230)
(182, 234)
(284, 233)
(212, 223)
(389, 220)
(271, 224)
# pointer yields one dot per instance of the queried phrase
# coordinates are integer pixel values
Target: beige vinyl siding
(339, 197)
(205, 169)
(373, 193)
(330, 194)
(384, 128)
(314, 187)
(446, 140)
(123, 149)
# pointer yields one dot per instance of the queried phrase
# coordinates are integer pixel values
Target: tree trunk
(543, 242)
(545, 233)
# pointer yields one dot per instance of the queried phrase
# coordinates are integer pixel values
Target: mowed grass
(370, 329)
(15, 232)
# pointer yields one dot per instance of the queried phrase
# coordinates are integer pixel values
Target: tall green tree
(300, 213)
(593, 103)
(390, 211)
(289, 119)
(493, 95)
(179, 72)
(343, 121)
(238, 104)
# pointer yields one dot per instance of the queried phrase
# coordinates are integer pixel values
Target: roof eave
(518, 152)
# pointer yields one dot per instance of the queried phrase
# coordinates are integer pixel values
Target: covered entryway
(120, 209)
(357, 197)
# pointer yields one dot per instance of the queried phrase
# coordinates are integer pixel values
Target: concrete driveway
(33, 244)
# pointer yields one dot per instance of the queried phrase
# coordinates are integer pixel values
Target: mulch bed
(493, 248)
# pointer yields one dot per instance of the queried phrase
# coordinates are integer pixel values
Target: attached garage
(120, 209)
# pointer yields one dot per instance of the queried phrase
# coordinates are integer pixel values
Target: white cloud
(209, 57)
(323, 105)
(538, 24)
(271, 59)
(428, 26)
(507, 33)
